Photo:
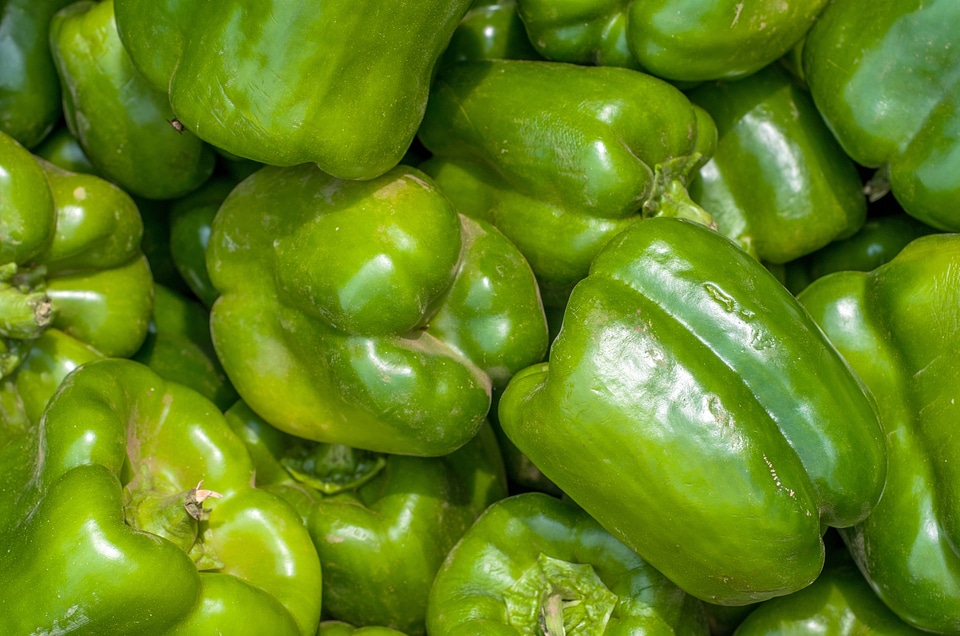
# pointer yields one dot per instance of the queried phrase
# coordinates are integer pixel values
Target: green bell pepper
(190, 221)
(490, 32)
(838, 603)
(118, 534)
(897, 326)
(686, 40)
(339, 628)
(533, 564)
(778, 182)
(122, 122)
(29, 88)
(717, 431)
(380, 315)
(285, 83)
(887, 82)
(878, 241)
(73, 282)
(560, 158)
(178, 347)
(63, 150)
(382, 524)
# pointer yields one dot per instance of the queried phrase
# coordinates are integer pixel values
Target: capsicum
(561, 157)
(122, 122)
(382, 524)
(534, 564)
(74, 283)
(897, 326)
(717, 431)
(887, 83)
(140, 514)
(685, 40)
(382, 316)
(285, 83)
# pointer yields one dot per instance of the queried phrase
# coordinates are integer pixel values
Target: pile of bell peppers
(479, 317)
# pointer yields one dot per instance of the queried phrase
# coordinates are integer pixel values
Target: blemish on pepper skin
(736, 17)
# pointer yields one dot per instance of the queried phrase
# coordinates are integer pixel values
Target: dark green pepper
(897, 326)
(686, 40)
(717, 431)
(285, 83)
(122, 122)
(178, 347)
(886, 82)
(560, 158)
(73, 282)
(29, 88)
(533, 564)
(382, 317)
(139, 517)
(778, 182)
(382, 524)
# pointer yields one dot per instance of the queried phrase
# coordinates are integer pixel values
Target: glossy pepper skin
(897, 327)
(73, 282)
(778, 182)
(339, 628)
(685, 40)
(535, 564)
(877, 242)
(718, 432)
(178, 347)
(839, 603)
(285, 84)
(382, 524)
(121, 121)
(560, 157)
(382, 316)
(117, 517)
(491, 31)
(886, 83)
(29, 88)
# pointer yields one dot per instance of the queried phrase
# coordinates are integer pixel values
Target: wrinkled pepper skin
(778, 182)
(532, 563)
(382, 316)
(285, 84)
(114, 504)
(897, 327)
(29, 88)
(718, 432)
(70, 267)
(559, 157)
(877, 242)
(360, 506)
(684, 40)
(178, 347)
(887, 82)
(121, 121)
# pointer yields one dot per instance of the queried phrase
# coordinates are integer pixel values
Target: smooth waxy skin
(717, 431)
(687, 40)
(73, 269)
(339, 628)
(525, 550)
(113, 444)
(490, 32)
(284, 83)
(560, 157)
(29, 87)
(897, 325)
(120, 120)
(839, 603)
(778, 182)
(382, 524)
(887, 82)
(381, 315)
